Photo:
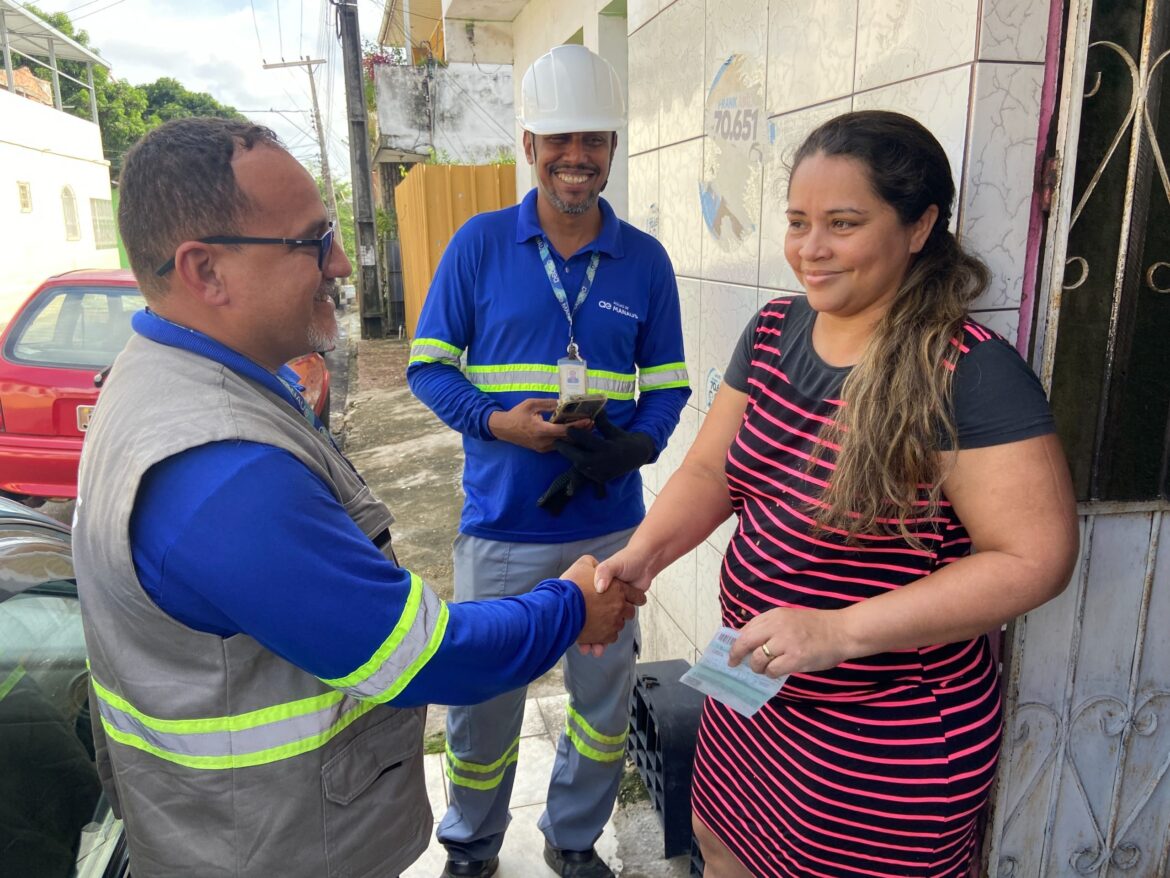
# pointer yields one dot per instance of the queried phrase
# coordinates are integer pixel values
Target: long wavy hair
(897, 417)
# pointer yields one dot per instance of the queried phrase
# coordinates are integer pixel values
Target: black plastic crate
(697, 863)
(664, 724)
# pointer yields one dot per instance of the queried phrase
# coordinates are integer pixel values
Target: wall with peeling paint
(462, 111)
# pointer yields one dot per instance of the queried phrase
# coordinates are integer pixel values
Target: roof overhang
(29, 34)
(483, 10)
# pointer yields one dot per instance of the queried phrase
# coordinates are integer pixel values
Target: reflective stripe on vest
(664, 377)
(404, 653)
(590, 743)
(539, 378)
(255, 738)
(285, 730)
(481, 777)
(432, 350)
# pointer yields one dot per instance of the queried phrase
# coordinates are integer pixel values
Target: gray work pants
(483, 740)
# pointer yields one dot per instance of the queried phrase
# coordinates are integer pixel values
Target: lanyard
(558, 288)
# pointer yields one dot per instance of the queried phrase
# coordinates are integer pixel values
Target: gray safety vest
(221, 757)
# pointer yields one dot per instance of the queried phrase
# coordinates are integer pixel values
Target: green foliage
(125, 111)
(385, 224)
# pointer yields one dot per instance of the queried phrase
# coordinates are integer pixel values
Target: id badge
(573, 378)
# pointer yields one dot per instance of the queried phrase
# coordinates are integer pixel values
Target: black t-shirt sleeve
(998, 399)
(736, 374)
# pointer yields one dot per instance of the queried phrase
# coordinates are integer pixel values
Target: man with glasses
(258, 658)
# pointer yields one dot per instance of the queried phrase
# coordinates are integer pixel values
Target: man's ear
(198, 271)
(530, 147)
(613, 145)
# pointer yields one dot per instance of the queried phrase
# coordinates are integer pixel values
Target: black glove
(604, 459)
(563, 489)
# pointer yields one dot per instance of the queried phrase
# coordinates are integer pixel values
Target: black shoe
(576, 864)
(471, 868)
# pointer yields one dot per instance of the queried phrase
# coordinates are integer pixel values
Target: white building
(55, 204)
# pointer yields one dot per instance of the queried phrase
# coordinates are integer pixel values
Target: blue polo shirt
(491, 299)
(242, 538)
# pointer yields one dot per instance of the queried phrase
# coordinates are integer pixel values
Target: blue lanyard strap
(558, 288)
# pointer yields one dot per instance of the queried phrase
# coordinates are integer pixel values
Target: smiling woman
(868, 437)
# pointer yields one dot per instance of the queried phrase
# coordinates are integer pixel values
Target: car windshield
(75, 326)
(53, 818)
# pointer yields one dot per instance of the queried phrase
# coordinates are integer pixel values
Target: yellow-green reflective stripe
(390, 644)
(665, 367)
(477, 768)
(246, 760)
(420, 661)
(236, 723)
(11, 680)
(589, 752)
(518, 388)
(513, 367)
(593, 733)
(488, 784)
(436, 343)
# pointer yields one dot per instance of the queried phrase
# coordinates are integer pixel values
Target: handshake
(606, 613)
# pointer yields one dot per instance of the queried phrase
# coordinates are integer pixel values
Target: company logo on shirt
(617, 308)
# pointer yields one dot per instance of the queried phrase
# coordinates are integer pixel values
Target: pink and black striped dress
(882, 765)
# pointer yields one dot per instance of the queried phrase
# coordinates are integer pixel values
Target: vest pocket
(377, 817)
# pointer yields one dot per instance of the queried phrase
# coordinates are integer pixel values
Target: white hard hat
(568, 90)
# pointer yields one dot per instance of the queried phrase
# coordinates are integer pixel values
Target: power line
(256, 24)
(279, 30)
(96, 11)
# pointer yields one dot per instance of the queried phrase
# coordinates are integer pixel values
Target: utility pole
(325, 175)
(369, 289)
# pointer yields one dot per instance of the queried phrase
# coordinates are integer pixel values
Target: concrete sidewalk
(413, 462)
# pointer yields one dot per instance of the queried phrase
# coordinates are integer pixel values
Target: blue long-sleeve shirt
(240, 537)
(492, 300)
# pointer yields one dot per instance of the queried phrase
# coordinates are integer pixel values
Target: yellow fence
(432, 202)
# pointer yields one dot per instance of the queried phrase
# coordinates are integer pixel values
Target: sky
(220, 47)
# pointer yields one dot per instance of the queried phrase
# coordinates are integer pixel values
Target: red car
(56, 345)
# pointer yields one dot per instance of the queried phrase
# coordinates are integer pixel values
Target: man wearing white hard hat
(556, 304)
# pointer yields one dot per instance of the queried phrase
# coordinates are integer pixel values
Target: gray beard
(571, 209)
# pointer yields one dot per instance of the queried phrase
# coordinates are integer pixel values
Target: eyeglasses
(324, 245)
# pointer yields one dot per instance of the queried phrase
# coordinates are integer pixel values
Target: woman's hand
(792, 641)
(630, 565)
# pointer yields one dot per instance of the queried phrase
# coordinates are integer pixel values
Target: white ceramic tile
(726, 310)
(810, 52)
(708, 562)
(938, 101)
(997, 197)
(662, 638)
(688, 297)
(436, 780)
(679, 76)
(675, 589)
(900, 39)
(638, 12)
(786, 133)
(642, 111)
(680, 210)
(533, 770)
(735, 127)
(1014, 30)
(678, 446)
(643, 192)
(523, 853)
(431, 863)
(1006, 323)
(651, 483)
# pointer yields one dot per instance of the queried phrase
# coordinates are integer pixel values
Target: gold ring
(764, 649)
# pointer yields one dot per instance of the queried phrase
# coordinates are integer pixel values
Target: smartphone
(579, 408)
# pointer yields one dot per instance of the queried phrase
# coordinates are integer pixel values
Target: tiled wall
(970, 70)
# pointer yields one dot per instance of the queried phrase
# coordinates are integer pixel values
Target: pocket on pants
(377, 817)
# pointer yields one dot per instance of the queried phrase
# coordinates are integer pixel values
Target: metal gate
(1084, 784)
